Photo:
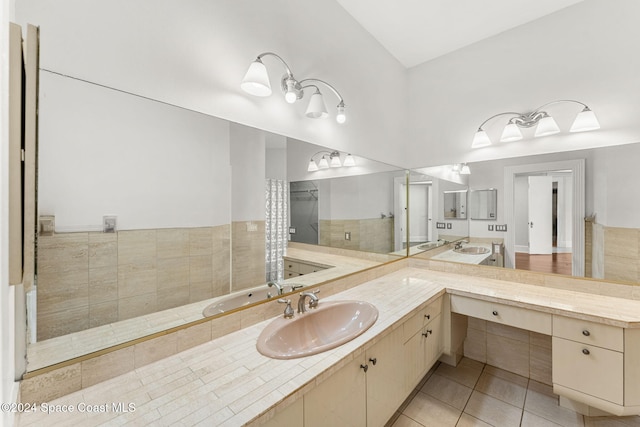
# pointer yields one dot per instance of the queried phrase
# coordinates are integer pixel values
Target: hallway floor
(479, 395)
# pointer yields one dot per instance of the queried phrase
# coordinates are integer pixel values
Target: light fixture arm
(513, 113)
(559, 101)
(334, 90)
(286, 67)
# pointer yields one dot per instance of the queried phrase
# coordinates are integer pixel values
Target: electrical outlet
(252, 226)
(109, 223)
(490, 227)
(347, 235)
(292, 230)
(449, 226)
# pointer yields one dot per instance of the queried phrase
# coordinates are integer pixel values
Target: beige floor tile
(447, 391)
(404, 421)
(612, 421)
(540, 402)
(429, 411)
(507, 391)
(532, 420)
(492, 410)
(466, 373)
(467, 420)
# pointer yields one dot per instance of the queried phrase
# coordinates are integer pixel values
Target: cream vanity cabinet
(423, 344)
(597, 364)
(296, 267)
(366, 391)
(370, 388)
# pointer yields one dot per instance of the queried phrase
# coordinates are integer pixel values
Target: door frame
(577, 167)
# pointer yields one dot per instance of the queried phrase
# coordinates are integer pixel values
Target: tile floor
(476, 395)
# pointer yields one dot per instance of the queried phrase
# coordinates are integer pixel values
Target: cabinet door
(289, 417)
(385, 379)
(422, 351)
(588, 369)
(339, 400)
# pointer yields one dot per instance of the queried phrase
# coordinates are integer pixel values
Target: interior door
(540, 215)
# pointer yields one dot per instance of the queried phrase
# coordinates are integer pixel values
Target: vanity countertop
(452, 255)
(227, 382)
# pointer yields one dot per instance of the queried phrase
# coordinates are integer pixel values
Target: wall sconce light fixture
(545, 124)
(461, 168)
(329, 159)
(256, 82)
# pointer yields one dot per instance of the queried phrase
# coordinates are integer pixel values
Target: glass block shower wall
(277, 193)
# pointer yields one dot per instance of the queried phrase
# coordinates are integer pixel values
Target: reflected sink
(472, 250)
(330, 325)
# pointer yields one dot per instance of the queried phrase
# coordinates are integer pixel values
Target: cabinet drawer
(421, 318)
(522, 318)
(588, 369)
(590, 333)
(292, 266)
(309, 268)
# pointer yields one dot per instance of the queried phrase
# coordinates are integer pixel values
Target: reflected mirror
(150, 214)
(455, 204)
(593, 223)
(483, 204)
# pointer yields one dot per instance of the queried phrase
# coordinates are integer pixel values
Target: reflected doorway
(303, 204)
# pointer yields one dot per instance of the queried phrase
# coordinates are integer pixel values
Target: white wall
(8, 388)
(248, 165)
(104, 152)
(583, 52)
(194, 53)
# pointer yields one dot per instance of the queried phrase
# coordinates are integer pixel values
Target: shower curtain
(277, 192)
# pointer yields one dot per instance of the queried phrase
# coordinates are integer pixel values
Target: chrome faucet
(278, 287)
(295, 287)
(313, 300)
(288, 311)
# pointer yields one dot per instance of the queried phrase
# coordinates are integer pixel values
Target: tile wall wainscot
(66, 377)
(371, 235)
(616, 253)
(89, 279)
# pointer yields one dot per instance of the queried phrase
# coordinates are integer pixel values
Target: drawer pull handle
(585, 351)
(373, 361)
(428, 316)
(365, 367)
(586, 333)
(429, 331)
(495, 312)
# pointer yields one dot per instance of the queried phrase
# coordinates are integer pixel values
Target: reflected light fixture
(329, 159)
(464, 170)
(545, 124)
(256, 82)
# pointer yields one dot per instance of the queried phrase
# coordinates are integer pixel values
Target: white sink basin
(472, 250)
(330, 325)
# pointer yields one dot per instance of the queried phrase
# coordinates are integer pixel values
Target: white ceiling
(415, 31)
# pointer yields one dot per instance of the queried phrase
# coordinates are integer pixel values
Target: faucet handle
(288, 311)
(316, 292)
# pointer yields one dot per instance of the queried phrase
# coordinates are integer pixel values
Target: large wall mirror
(593, 210)
(150, 213)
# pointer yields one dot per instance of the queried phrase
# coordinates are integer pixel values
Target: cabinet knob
(365, 367)
(495, 312)
(585, 351)
(428, 316)
(373, 361)
(586, 333)
(425, 334)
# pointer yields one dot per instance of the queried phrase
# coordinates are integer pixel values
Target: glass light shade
(456, 167)
(290, 95)
(546, 126)
(335, 162)
(349, 161)
(511, 133)
(480, 139)
(341, 116)
(465, 170)
(256, 81)
(585, 120)
(317, 108)
(312, 166)
(323, 164)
